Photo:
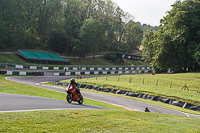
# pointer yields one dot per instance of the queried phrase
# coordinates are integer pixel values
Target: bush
(110, 57)
(57, 42)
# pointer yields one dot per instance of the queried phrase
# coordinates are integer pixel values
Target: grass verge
(113, 120)
(96, 121)
(150, 101)
(11, 59)
(164, 85)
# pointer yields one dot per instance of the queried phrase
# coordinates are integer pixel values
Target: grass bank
(89, 61)
(11, 59)
(165, 85)
(102, 61)
(109, 120)
(96, 121)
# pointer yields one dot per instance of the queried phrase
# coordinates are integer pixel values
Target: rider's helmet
(72, 81)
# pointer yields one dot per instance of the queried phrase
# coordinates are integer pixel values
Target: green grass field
(115, 119)
(158, 85)
(11, 59)
(75, 121)
(102, 61)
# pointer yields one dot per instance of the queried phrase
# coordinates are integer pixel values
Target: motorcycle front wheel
(69, 97)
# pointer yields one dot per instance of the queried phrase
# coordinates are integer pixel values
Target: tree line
(176, 44)
(68, 26)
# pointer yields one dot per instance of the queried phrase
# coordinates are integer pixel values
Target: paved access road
(118, 101)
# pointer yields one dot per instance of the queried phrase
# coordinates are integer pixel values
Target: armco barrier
(101, 72)
(139, 95)
(23, 73)
(74, 73)
(77, 68)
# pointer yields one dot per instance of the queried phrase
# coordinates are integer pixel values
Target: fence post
(157, 83)
(171, 85)
(118, 78)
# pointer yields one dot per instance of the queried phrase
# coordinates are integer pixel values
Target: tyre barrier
(2, 72)
(138, 95)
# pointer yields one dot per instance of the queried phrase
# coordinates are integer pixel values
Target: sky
(146, 11)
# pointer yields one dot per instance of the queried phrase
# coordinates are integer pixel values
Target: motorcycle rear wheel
(69, 98)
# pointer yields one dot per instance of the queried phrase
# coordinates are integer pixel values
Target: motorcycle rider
(75, 84)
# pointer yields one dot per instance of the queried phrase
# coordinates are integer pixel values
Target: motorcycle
(72, 95)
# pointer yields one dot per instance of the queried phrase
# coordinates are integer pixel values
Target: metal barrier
(74, 67)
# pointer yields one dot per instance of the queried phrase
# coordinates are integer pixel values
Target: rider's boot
(79, 95)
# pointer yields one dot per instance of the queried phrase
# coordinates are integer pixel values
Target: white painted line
(56, 68)
(106, 68)
(56, 74)
(33, 67)
(22, 73)
(77, 73)
(9, 73)
(186, 114)
(83, 68)
(68, 73)
(18, 66)
(42, 110)
(45, 68)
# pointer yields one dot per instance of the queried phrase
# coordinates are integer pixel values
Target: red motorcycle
(73, 96)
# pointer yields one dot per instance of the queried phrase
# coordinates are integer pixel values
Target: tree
(57, 42)
(28, 20)
(133, 36)
(33, 24)
(75, 14)
(147, 52)
(3, 35)
(90, 34)
(176, 43)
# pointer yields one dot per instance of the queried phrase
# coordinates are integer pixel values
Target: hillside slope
(14, 59)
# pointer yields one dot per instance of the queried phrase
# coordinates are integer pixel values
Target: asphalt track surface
(18, 103)
(47, 104)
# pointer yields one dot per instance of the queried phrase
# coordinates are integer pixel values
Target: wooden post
(143, 81)
(106, 78)
(171, 85)
(96, 77)
(130, 80)
(118, 78)
(157, 83)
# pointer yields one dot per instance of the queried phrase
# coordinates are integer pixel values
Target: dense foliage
(80, 26)
(176, 44)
